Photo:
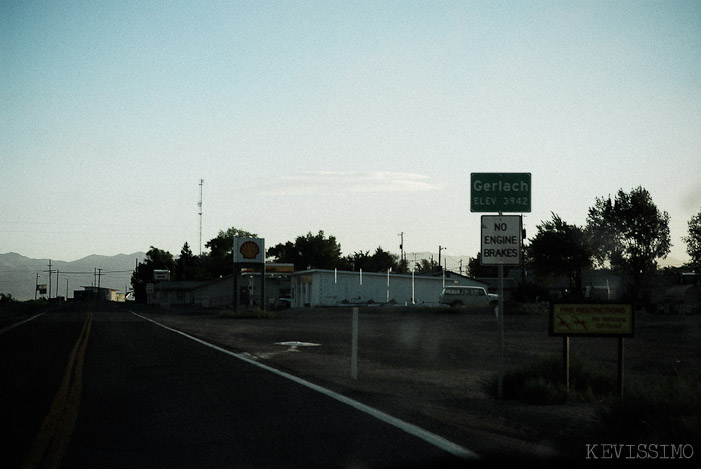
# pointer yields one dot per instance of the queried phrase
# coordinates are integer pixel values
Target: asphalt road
(92, 386)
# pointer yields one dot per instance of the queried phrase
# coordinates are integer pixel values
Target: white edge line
(12, 326)
(432, 438)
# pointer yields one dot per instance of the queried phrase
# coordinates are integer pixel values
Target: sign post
(249, 252)
(500, 235)
(592, 320)
(500, 243)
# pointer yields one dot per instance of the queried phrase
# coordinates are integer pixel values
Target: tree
(475, 268)
(426, 265)
(309, 252)
(6, 298)
(221, 251)
(382, 260)
(187, 267)
(693, 242)
(156, 259)
(402, 266)
(560, 248)
(629, 233)
(285, 253)
(358, 260)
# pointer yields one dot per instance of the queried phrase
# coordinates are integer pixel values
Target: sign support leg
(500, 380)
(566, 361)
(262, 287)
(235, 304)
(354, 345)
(620, 366)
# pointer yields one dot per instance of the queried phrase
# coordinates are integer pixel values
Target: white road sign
(501, 240)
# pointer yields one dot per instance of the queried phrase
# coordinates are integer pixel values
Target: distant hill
(18, 274)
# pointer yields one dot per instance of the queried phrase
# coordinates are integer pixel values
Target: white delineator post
(354, 345)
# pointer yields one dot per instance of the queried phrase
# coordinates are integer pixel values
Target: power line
(76, 273)
(92, 272)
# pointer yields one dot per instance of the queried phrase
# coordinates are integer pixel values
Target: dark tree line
(320, 252)
(626, 234)
(209, 266)
(311, 251)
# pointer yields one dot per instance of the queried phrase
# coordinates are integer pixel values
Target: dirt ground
(430, 367)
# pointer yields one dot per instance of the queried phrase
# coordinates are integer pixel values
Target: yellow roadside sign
(605, 320)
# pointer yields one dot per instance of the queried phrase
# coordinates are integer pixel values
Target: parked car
(285, 301)
(470, 297)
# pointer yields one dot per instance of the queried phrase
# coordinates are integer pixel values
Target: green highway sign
(500, 192)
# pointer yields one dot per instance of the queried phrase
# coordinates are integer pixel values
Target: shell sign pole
(249, 252)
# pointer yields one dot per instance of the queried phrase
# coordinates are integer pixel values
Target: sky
(363, 119)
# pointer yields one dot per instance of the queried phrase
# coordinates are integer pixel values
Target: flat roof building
(319, 287)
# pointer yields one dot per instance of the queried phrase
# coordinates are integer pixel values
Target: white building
(317, 287)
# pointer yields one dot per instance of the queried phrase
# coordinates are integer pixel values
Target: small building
(317, 287)
(172, 293)
(97, 294)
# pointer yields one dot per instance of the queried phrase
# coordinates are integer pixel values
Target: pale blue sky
(362, 119)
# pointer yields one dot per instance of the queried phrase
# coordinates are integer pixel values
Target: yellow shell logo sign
(249, 250)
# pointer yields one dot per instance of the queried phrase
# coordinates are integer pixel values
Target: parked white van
(471, 297)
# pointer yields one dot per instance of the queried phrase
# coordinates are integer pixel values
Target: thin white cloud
(309, 182)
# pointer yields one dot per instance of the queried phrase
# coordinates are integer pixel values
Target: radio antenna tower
(199, 204)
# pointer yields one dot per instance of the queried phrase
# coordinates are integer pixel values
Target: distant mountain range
(18, 274)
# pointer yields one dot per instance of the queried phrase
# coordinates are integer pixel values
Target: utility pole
(36, 287)
(50, 272)
(56, 283)
(439, 255)
(99, 276)
(401, 246)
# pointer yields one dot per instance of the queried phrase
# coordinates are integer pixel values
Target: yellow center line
(52, 439)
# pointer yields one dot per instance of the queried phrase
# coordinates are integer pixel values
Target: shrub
(6, 298)
(659, 409)
(542, 383)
